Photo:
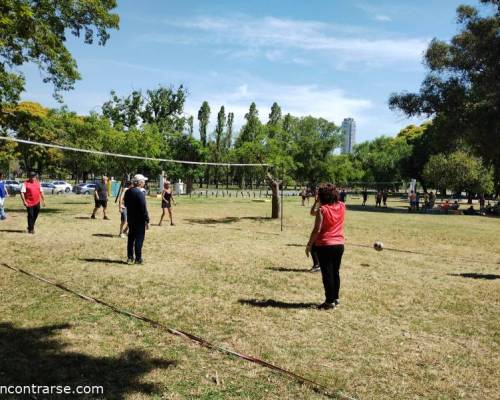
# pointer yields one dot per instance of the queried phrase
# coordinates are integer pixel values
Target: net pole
(282, 190)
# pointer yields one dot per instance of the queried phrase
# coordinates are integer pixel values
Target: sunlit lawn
(409, 326)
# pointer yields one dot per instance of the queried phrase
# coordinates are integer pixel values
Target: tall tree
(204, 118)
(229, 130)
(219, 129)
(124, 111)
(164, 107)
(251, 128)
(190, 126)
(462, 87)
(36, 32)
(275, 115)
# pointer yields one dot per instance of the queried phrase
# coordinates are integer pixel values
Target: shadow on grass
(295, 245)
(103, 261)
(83, 218)
(12, 230)
(105, 235)
(275, 304)
(225, 220)
(475, 275)
(210, 221)
(283, 269)
(34, 356)
(359, 207)
(43, 210)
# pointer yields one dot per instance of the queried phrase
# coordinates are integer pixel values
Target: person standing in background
(137, 218)
(32, 195)
(3, 195)
(101, 197)
(123, 211)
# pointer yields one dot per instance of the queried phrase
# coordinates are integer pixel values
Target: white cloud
(275, 38)
(299, 100)
(383, 18)
(374, 12)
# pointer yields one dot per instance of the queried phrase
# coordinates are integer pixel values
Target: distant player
(3, 196)
(123, 211)
(101, 197)
(137, 218)
(32, 196)
(364, 193)
(167, 198)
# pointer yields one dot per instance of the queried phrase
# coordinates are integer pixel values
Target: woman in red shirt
(327, 237)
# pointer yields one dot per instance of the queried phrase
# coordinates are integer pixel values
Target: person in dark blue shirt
(137, 218)
(3, 196)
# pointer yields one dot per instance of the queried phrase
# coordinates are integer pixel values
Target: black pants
(32, 216)
(314, 255)
(136, 234)
(330, 258)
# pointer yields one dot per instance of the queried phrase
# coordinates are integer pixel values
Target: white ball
(379, 246)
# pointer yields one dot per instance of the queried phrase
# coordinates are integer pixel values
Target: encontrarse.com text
(51, 390)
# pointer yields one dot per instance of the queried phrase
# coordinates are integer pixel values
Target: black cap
(32, 174)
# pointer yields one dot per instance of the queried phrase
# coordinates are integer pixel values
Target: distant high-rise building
(349, 132)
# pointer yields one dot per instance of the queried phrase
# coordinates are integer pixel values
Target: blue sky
(327, 58)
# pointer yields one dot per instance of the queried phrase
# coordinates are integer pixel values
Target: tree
(275, 115)
(36, 32)
(250, 129)
(31, 121)
(380, 159)
(124, 111)
(315, 139)
(204, 118)
(190, 126)
(229, 130)
(462, 87)
(163, 107)
(343, 169)
(219, 144)
(458, 171)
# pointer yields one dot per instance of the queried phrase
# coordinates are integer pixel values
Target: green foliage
(458, 171)
(162, 107)
(343, 169)
(36, 32)
(204, 119)
(462, 88)
(380, 159)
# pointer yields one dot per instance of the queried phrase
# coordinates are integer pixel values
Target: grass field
(410, 325)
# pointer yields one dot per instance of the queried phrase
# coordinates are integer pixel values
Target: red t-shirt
(31, 192)
(332, 227)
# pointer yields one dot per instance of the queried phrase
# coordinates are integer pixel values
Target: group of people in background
(132, 206)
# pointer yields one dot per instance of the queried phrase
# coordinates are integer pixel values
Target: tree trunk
(189, 184)
(275, 189)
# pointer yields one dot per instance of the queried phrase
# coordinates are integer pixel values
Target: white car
(62, 186)
(50, 188)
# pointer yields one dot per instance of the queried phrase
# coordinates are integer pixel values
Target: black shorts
(123, 215)
(101, 203)
(165, 204)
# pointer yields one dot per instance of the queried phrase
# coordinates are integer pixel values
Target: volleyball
(379, 246)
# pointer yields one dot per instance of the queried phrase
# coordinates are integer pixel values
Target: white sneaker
(315, 268)
(123, 236)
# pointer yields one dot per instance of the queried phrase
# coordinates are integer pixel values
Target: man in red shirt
(32, 194)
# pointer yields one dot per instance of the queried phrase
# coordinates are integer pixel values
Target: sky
(326, 58)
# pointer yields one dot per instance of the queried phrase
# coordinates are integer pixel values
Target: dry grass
(409, 325)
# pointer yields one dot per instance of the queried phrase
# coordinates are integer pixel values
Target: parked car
(65, 186)
(84, 188)
(48, 187)
(13, 187)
